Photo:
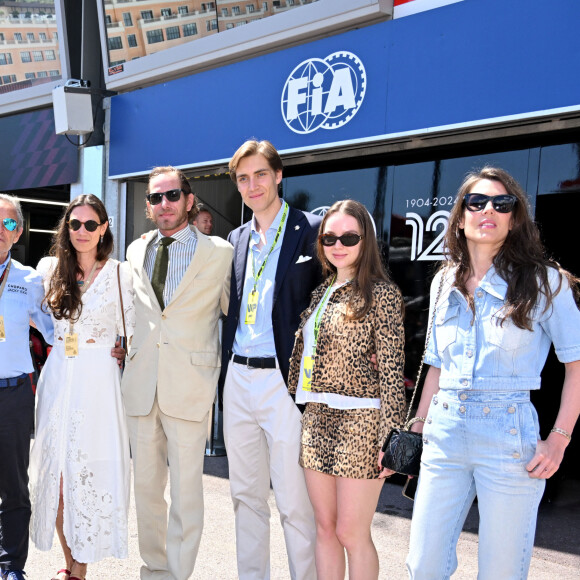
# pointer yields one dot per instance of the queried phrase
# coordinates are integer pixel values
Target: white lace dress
(81, 430)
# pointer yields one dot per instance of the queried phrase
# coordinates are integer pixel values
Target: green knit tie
(160, 269)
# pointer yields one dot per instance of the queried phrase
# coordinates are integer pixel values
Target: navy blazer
(293, 285)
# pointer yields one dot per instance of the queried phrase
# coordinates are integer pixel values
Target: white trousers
(168, 546)
(262, 428)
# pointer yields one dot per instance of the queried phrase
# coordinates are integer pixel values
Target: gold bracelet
(416, 420)
(562, 432)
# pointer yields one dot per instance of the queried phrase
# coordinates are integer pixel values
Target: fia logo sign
(324, 93)
(437, 221)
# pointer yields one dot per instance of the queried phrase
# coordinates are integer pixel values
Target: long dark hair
(368, 267)
(64, 296)
(521, 260)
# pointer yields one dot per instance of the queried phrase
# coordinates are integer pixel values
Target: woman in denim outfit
(501, 305)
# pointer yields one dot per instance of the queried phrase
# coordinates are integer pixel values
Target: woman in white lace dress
(79, 466)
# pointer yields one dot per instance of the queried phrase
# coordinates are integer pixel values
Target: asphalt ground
(556, 553)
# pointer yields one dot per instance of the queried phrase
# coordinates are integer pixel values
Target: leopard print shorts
(340, 442)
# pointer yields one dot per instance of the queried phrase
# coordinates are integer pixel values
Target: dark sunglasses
(171, 195)
(347, 240)
(10, 224)
(501, 203)
(90, 225)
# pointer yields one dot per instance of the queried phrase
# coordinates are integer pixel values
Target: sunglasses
(171, 195)
(478, 201)
(347, 240)
(90, 225)
(10, 224)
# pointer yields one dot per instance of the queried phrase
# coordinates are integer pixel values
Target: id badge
(307, 374)
(2, 331)
(252, 307)
(71, 345)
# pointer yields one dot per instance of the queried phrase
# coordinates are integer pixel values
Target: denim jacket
(477, 352)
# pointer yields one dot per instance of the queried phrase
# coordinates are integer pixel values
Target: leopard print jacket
(342, 363)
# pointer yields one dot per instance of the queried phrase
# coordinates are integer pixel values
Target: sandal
(63, 571)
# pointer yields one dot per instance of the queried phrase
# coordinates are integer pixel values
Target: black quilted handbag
(402, 448)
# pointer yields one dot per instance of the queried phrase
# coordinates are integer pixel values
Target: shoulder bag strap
(121, 299)
(427, 338)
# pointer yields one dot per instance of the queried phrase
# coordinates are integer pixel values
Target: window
(6, 58)
(2, 37)
(115, 43)
(30, 36)
(42, 36)
(265, 6)
(49, 55)
(55, 36)
(289, 2)
(6, 79)
(154, 36)
(147, 14)
(183, 10)
(207, 6)
(224, 11)
(172, 33)
(211, 24)
(229, 25)
(108, 19)
(131, 40)
(250, 8)
(37, 55)
(25, 57)
(165, 12)
(189, 29)
(235, 10)
(53, 73)
(29, 76)
(17, 37)
(42, 74)
(127, 20)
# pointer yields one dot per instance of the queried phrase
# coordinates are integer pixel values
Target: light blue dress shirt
(20, 302)
(477, 352)
(257, 340)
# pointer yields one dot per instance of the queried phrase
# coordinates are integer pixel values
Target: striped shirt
(181, 253)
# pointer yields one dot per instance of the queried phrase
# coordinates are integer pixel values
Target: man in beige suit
(181, 278)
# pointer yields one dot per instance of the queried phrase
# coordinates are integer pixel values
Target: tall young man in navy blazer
(274, 271)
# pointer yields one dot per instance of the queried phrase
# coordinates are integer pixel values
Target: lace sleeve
(128, 300)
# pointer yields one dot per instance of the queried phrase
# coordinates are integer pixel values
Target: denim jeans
(476, 443)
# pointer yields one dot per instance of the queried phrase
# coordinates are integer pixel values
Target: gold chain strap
(428, 337)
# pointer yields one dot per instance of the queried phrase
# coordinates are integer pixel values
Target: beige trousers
(168, 546)
(262, 428)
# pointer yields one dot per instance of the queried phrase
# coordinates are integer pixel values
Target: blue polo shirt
(20, 302)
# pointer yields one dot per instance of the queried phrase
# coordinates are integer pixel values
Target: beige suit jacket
(176, 352)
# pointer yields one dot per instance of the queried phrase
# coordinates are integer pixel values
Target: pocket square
(303, 259)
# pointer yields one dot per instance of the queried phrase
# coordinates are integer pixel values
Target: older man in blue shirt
(21, 294)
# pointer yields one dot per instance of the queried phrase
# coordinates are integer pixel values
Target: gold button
(479, 294)
(469, 353)
(429, 420)
(464, 382)
(512, 410)
(158, 345)
(486, 410)
(445, 406)
(516, 455)
(513, 431)
(463, 396)
(462, 409)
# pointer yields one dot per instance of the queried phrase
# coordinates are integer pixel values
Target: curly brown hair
(368, 266)
(63, 296)
(521, 260)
